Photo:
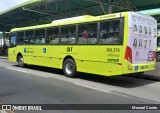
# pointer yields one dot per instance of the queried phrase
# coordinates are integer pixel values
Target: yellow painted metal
(88, 58)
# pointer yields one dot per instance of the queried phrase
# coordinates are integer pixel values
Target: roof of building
(37, 12)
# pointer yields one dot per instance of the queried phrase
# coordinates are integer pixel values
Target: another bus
(4, 42)
(158, 48)
(109, 45)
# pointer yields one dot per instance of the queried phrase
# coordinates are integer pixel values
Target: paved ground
(40, 85)
(3, 56)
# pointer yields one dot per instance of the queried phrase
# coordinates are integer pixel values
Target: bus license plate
(144, 67)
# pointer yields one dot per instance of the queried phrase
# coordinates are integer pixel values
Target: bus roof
(73, 20)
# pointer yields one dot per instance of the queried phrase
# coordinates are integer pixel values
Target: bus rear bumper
(137, 68)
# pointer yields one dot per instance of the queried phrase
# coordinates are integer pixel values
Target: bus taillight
(128, 54)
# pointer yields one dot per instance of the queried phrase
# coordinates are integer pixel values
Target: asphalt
(151, 75)
(28, 86)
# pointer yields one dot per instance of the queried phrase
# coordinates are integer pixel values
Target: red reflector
(129, 68)
(128, 54)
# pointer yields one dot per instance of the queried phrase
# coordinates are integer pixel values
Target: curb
(4, 58)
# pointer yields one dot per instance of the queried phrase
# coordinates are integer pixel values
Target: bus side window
(29, 37)
(109, 32)
(40, 36)
(87, 33)
(68, 35)
(20, 38)
(52, 36)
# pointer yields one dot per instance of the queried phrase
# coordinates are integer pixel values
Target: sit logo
(69, 49)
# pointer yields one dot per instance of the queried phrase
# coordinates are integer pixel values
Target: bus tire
(21, 61)
(158, 57)
(69, 68)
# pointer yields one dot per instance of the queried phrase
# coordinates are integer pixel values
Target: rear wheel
(69, 68)
(21, 61)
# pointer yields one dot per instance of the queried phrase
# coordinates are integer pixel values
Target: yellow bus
(109, 45)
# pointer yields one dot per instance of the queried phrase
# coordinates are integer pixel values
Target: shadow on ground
(125, 81)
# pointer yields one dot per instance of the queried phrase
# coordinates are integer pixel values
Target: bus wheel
(69, 68)
(20, 61)
(158, 57)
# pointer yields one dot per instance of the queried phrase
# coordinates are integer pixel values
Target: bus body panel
(89, 59)
(12, 55)
(111, 58)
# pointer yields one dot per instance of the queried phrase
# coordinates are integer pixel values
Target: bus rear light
(128, 54)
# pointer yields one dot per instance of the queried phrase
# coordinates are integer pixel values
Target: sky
(7, 4)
